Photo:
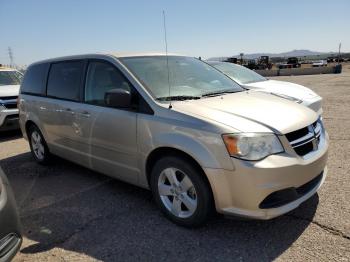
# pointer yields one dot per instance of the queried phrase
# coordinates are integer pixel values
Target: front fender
(206, 148)
(195, 147)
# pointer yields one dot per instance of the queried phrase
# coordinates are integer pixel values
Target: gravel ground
(71, 213)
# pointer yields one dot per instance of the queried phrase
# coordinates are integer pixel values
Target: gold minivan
(179, 127)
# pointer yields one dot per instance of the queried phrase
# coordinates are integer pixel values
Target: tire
(38, 146)
(194, 192)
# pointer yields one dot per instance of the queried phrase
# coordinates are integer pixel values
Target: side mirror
(118, 98)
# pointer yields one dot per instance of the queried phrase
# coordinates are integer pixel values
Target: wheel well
(29, 123)
(168, 151)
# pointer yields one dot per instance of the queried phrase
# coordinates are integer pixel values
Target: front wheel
(181, 192)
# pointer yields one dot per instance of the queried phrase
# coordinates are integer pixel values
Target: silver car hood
(282, 87)
(9, 90)
(250, 112)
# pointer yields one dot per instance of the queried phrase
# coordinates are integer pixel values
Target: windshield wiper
(177, 98)
(217, 93)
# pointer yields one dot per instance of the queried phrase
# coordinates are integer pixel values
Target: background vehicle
(292, 62)
(251, 80)
(10, 232)
(262, 63)
(319, 63)
(201, 143)
(10, 80)
(233, 60)
(251, 64)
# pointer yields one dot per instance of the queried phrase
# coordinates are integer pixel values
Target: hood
(250, 112)
(282, 87)
(9, 90)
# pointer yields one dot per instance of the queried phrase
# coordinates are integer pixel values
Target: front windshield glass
(10, 78)
(239, 73)
(187, 76)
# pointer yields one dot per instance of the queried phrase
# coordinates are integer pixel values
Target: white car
(319, 63)
(251, 80)
(10, 80)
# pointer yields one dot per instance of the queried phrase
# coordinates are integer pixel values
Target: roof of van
(101, 55)
(133, 54)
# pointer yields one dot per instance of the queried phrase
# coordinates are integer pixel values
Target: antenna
(166, 54)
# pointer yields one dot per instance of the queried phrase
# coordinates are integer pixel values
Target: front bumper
(241, 191)
(9, 119)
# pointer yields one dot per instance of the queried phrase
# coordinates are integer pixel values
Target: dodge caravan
(179, 127)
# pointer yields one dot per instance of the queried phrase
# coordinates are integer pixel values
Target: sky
(40, 29)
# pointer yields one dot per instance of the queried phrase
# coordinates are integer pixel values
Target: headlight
(294, 99)
(252, 146)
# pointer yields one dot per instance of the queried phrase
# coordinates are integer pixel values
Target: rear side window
(65, 79)
(34, 80)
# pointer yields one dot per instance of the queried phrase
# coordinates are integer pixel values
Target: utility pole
(10, 56)
(241, 55)
(339, 52)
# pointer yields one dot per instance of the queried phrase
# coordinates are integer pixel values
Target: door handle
(85, 114)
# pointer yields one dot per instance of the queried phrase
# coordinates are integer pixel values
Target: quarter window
(65, 80)
(35, 79)
(102, 77)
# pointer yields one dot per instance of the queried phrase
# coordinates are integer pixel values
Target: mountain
(300, 52)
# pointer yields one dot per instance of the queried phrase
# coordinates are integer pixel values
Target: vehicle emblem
(314, 140)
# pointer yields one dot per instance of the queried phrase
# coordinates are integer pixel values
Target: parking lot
(71, 213)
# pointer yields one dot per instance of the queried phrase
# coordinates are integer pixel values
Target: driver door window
(102, 77)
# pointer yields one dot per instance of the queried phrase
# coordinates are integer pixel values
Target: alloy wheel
(177, 192)
(37, 145)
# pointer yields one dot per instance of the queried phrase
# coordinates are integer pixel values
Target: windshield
(10, 78)
(188, 77)
(239, 73)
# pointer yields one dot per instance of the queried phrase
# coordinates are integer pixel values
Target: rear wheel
(38, 145)
(181, 192)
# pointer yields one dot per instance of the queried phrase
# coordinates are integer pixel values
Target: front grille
(9, 102)
(304, 149)
(10, 105)
(297, 134)
(307, 139)
(8, 97)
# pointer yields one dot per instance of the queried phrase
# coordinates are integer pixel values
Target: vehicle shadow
(10, 135)
(69, 207)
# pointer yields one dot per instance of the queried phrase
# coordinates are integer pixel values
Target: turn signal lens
(231, 144)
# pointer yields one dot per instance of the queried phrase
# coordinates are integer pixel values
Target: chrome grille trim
(310, 141)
